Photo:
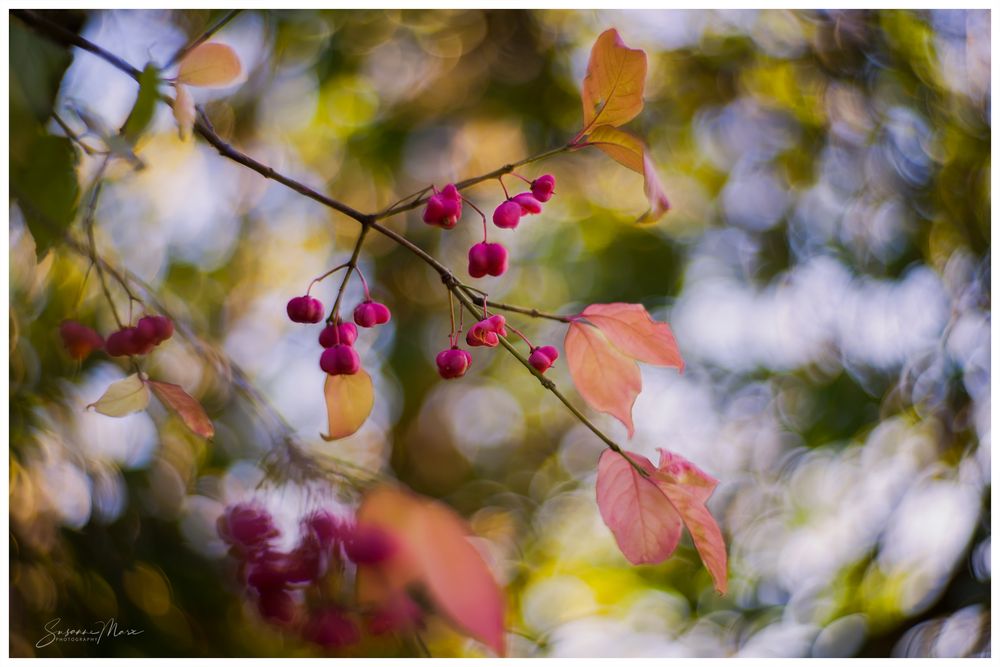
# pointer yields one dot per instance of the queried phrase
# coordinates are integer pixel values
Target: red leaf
(644, 523)
(688, 488)
(186, 407)
(633, 331)
(606, 378)
(433, 552)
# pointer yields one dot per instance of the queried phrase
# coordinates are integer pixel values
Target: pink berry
(496, 259)
(246, 525)
(487, 332)
(326, 527)
(340, 360)
(382, 313)
(542, 358)
(543, 187)
(453, 363)
(344, 333)
(331, 628)
(369, 313)
(478, 260)
(507, 215)
(305, 309)
(528, 204)
(367, 545)
(79, 339)
(444, 208)
(127, 342)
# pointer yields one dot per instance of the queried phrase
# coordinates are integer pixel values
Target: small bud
(246, 525)
(507, 215)
(340, 360)
(305, 309)
(277, 606)
(543, 187)
(453, 363)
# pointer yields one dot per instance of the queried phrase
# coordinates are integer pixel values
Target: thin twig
(203, 37)
(352, 264)
(204, 129)
(531, 312)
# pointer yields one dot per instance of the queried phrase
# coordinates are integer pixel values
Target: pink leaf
(607, 379)
(433, 552)
(644, 523)
(631, 329)
(688, 488)
(653, 187)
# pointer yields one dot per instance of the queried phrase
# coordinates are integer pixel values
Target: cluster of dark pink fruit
(444, 209)
(292, 589)
(337, 338)
(151, 330)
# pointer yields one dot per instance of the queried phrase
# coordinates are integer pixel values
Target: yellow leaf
(614, 83)
(629, 151)
(210, 64)
(349, 401)
(123, 397)
(184, 111)
(186, 407)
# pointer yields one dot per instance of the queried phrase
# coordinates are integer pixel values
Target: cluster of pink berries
(444, 208)
(151, 330)
(289, 587)
(339, 356)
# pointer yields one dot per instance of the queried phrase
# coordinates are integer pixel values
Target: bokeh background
(825, 267)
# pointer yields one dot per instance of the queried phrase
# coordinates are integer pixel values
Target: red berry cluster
(444, 208)
(337, 338)
(151, 330)
(290, 588)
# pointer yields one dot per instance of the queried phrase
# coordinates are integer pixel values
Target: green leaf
(145, 104)
(45, 185)
(123, 397)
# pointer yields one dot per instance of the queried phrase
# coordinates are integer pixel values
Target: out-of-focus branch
(203, 37)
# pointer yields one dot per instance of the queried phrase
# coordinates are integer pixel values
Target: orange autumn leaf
(432, 552)
(349, 401)
(607, 379)
(185, 406)
(629, 151)
(602, 345)
(614, 83)
(209, 65)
